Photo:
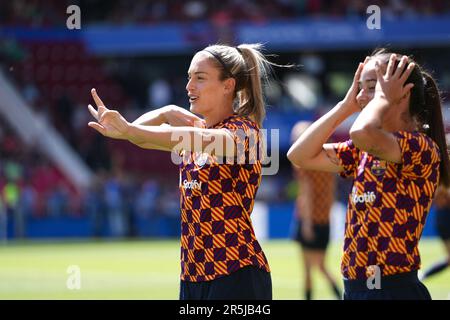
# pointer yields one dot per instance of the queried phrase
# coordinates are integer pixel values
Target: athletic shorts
(443, 223)
(403, 286)
(248, 283)
(321, 237)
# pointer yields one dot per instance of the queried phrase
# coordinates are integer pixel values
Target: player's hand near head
(349, 102)
(311, 150)
(110, 123)
(391, 85)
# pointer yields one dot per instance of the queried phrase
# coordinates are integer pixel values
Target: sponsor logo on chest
(193, 185)
(366, 197)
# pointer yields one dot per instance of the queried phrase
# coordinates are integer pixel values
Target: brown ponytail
(435, 124)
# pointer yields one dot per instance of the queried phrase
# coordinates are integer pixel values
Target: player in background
(312, 211)
(442, 206)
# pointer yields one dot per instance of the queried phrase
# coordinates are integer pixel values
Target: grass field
(150, 269)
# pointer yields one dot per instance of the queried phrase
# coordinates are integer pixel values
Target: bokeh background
(68, 196)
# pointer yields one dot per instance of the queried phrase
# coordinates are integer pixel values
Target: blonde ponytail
(250, 68)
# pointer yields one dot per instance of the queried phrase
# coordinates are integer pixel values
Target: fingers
(406, 91)
(390, 67)
(401, 73)
(401, 67)
(97, 99)
(380, 77)
(355, 85)
(93, 111)
(407, 72)
(358, 72)
(97, 127)
(108, 113)
(408, 88)
(101, 113)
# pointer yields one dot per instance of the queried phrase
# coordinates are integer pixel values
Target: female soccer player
(442, 202)
(220, 255)
(396, 157)
(312, 209)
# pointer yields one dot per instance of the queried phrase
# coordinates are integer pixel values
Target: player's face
(204, 87)
(367, 84)
(393, 118)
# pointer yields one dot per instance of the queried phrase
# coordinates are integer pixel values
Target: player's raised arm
(310, 150)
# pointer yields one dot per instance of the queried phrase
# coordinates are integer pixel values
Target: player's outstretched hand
(110, 123)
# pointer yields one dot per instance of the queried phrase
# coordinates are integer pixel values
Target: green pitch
(150, 269)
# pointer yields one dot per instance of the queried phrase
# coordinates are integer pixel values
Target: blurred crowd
(31, 187)
(29, 184)
(226, 12)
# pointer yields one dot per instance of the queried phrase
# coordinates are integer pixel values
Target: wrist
(128, 133)
(163, 114)
(344, 110)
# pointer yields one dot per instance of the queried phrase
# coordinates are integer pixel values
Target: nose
(362, 98)
(189, 85)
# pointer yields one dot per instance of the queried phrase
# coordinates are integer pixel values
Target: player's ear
(229, 85)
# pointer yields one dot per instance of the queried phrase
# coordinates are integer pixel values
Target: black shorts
(443, 223)
(404, 286)
(321, 237)
(248, 283)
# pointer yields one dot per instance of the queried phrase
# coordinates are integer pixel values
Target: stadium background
(72, 197)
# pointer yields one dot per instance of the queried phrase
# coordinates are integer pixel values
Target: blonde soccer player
(220, 255)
